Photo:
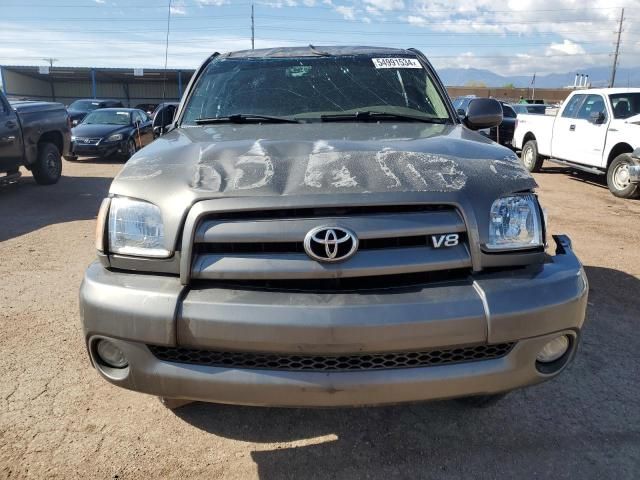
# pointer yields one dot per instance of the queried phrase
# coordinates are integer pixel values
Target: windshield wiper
(369, 115)
(245, 118)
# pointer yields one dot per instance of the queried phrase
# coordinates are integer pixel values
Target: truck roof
(609, 91)
(314, 51)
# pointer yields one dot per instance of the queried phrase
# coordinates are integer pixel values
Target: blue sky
(509, 37)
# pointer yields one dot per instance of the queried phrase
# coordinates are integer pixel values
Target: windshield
(108, 117)
(625, 105)
(306, 88)
(84, 105)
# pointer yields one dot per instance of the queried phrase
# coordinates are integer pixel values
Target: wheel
(618, 178)
(481, 401)
(48, 167)
(530, 158)
(70, 158)
(131, 149)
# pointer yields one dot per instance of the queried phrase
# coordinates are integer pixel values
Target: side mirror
(597, 117)
(483, 113)
(158, 131)
(461, 113)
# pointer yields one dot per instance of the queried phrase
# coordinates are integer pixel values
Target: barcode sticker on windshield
(396, 62)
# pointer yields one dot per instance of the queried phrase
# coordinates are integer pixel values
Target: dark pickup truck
(33, 135)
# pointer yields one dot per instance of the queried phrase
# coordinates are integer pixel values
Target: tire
(48, 168)
(530, 158)
(131, 149)
(618, 179)
(70, 158)
(481, 401)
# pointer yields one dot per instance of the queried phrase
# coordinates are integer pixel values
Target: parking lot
(59, 419)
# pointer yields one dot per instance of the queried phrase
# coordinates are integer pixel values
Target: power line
(456, 22)
(199, 42)
(300, 6)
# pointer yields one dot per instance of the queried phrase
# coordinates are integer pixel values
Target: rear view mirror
(483, 113)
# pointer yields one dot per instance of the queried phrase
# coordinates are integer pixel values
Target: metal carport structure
(66, 84)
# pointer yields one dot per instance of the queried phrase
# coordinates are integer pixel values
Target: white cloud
(215, 3)
(279, 3)
(385, 5)
(567, 46)
(373, 10)
(346, 12)
(140, 50)
(101, 2)
(415, 20)
(178, 10)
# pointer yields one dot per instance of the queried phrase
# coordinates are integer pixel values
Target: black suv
(80, 108)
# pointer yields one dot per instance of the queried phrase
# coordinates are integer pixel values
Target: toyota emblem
(330, 244)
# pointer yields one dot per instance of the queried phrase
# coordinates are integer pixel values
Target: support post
(3, 80)
(253, 29)
(93, 83)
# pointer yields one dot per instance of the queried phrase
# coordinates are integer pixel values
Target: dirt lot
(59, 419)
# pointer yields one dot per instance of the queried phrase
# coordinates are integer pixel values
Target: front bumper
(100, 150)
(523, 306)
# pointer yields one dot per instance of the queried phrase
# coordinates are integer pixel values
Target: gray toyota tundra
(317, 227)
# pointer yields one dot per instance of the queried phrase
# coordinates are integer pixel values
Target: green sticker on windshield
(298, 71)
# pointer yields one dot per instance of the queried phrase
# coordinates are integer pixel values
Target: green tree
(508, 85)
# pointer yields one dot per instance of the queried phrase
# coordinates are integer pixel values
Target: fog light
(553, 350)
(110, 354)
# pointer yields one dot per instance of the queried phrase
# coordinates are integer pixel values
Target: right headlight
(515, 223)
(136, 228)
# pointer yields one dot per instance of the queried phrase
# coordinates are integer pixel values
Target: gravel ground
(58, 419)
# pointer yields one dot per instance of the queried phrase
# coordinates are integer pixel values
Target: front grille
(370, 284)
(86, 141)
(298, 247)
(326, 212)
(394, 241)
(328, 363)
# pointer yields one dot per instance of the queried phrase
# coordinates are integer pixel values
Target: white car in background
(596, 130)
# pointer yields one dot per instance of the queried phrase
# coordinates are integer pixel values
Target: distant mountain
(598, 76)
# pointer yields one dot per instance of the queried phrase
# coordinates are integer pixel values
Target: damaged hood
(265, 160)
(323, 159)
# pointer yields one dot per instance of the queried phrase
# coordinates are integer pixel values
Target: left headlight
(115, 138)
(136, 228)
(515, 223)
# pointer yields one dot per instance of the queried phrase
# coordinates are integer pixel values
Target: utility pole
(615, 55)
(50, 61)
(253, 31)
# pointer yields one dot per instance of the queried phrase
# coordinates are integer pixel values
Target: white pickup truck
(595, 130)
